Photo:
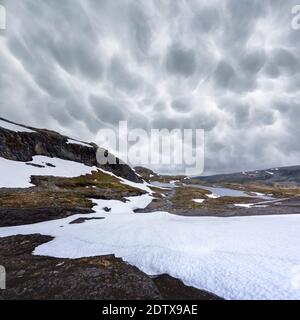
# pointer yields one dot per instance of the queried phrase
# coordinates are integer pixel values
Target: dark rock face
(176, 290)
(18, 217)
(83, 220)
(22, 146)
(144, 171)
(95, 278)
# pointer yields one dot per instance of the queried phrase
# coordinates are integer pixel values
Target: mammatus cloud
(230, 67)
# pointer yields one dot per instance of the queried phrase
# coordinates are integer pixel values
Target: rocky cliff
(22, 146)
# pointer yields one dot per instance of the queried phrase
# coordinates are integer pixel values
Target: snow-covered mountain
(22, 143)
(285, 175)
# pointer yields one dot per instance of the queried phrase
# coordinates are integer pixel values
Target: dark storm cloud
(224, 74)
(230, 67)
(182, 105)
(207, 20)
(140, 29)
(272, 70)
(106, 109)
(181, 61)
(286, 61)
(253, 61)
(123, 79)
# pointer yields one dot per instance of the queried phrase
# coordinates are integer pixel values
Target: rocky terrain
(47, 197)
(22, 146)
(51, 197)
(97, 278)
(180, 192)
(284, 175)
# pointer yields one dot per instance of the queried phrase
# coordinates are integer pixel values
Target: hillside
(45, 176)
(70, 228)
(284, 175)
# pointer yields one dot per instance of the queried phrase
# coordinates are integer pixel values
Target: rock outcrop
(94, 278)
(22, 146)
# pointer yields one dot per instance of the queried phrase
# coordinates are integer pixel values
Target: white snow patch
(212, 196)
(79, 142)
(262, 204)
(199, 200)
(142, 186)
(269, 172)
(235, 258)
(259, 194)
(16, 174)
(244, 205)
(13, 127)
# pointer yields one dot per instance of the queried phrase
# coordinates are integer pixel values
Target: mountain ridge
(22, 146)
(284, 175)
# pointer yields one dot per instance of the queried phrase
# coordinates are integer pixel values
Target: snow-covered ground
(199, 200)
(143, 186)
(262, 204)
(236, 258)
(255, 257)
(16, 174)
(13, 127)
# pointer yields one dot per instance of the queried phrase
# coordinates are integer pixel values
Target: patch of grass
(44, 199)
(67, 193)
(183, 198)
(95, 182)
(222, 202)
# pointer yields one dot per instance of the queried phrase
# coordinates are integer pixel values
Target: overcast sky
(230, 67)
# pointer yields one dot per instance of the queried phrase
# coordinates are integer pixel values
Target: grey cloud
(160, 106)
(263, 117)
(242, 17)
(241, 113)
(253, 61)
(182, 105)
(271, 70)
(106, 109)
(205, 121)
(60, 113)
(285, 60)
(224, 66)
(207, 19)
(181, 61)
(140, 30)
(121, 78)
(224, 74)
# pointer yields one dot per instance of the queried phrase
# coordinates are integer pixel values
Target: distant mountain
(285, 175)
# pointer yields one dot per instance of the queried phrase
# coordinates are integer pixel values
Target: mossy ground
(56, 197)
